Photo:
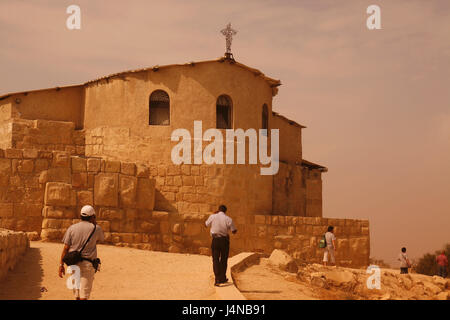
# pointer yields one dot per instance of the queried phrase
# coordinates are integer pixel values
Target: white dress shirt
(220, 223)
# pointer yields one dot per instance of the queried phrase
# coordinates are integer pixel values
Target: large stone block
(128, 191)
(13, 153)
(282, 260)
(5, 171)
(319, 230)
(188, 181)
(40, 165)
(173, 170)
(127, 225)
(30, 153)
(106, 189)
(79, 164)
(51, 223)
(128, 168)
(59, 194)
(177, 228)
(142, 171)
(27, 210)
(80, 180)
(6, 210)
(93, 165)
(5, 166)
(61, 159)
(105, 225)
(55, 132)
(53, 213)
(193, 229)
(146, 193)
(260, 219)
(112, 166)
(51, 234)
(111, 214)
(59, 175)
(359, 246)
(85, 197)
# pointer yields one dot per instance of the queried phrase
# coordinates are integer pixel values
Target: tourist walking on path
(330, 248)
(404, 261)
(220, 224)
(442, 262)
(82, 238)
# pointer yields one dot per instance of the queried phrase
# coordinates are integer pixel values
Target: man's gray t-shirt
(329, 237)
(77, 235)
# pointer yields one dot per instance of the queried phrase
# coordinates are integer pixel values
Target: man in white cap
(83, 236)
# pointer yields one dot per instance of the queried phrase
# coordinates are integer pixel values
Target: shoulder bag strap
(95, 226)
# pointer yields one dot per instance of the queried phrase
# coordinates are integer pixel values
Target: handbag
(74, 257)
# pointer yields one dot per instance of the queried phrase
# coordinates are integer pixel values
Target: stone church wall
(93, 145)
(289, 191)
(186, 188)
(312, 182)
(290, 139)
(56, 104)
(43, 191)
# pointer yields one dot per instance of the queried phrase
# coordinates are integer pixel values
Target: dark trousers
(403, 270)
(220, 248)
(443, 271)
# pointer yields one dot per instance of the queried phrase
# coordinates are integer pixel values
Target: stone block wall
(122, 194)
(312, 186)
(42, 135)
(289, 191)
(185, 188)
(43, 192)
(21, 192)
(36, 184)
(12, 246)
(299, 236)
(297, 191)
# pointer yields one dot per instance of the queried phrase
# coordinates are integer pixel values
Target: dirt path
(262, 282)
(125, 274)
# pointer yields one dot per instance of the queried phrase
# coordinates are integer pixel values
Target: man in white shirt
(220, 224)
(330, 249)
(404, 261)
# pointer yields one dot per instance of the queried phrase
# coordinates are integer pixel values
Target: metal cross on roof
(228, 33)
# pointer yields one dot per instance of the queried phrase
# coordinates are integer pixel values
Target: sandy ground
(125, 274)
(261, 282)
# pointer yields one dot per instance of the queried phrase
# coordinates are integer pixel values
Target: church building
(108, 142)
(129, 116)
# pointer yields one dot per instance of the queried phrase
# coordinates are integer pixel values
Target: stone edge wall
(299, 236)
(12, 246)
(42, 189)
(47, 135)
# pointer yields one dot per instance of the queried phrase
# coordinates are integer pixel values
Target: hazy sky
(376, 103)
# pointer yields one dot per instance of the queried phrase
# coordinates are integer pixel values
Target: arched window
(224, 112)
(265, 117)
(159, 108)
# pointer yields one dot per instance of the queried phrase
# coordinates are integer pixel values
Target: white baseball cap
(87, 211)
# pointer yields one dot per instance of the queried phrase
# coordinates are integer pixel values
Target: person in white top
(220, 224)
(404, 262)
(330, 249)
